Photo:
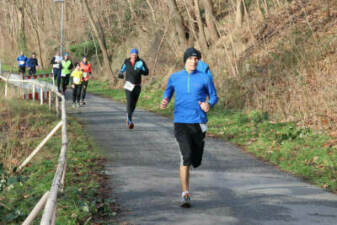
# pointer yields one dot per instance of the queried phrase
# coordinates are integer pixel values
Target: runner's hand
(120, 75)
(164, 103)
(73, 86)
(204, 106)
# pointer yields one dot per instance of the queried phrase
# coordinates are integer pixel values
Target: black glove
(120, 75)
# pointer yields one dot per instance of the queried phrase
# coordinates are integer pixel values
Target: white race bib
(56, 66)
(203, 127)
(129, 86)
(76, 80)
(63, 75)
(21, 62)
(85, 74)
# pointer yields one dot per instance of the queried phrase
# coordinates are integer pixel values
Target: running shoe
(83, 103)
(130, 124)
(77, 105)
(185, 201)
(73, 105)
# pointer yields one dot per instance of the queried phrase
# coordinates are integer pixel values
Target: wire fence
(49, 200)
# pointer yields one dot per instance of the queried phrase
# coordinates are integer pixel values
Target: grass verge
(300, 151)
(84, 200)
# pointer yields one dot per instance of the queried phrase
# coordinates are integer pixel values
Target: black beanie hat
(191, 52)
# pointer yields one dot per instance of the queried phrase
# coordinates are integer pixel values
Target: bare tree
(265, 5)
(210, 20)
(239, 13)
(34, 24)
(132, 10)
(99, 38)
(259, 10)
(152, 11)
(178, 22)
(202, 36)
(192, 34)
(21, 34)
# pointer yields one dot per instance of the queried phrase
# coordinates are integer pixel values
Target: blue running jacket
(189, 89)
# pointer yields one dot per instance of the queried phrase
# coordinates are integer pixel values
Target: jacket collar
(193, 72)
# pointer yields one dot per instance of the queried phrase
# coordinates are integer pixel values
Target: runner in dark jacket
(32, 63)
(134, 67)
(56, 63)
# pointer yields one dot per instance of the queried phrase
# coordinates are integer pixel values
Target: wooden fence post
(57, 105)
(41, 95)
(49, 99)
(33, 92)
(6, 87)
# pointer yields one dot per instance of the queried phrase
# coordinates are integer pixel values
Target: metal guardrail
(49, 199)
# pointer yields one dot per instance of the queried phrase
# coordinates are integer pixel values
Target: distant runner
(134, 67)
(22, 60)
(86, 68)
(56, 63)
(76, 84)
(191, 88)
(32, 63)
(67, 66)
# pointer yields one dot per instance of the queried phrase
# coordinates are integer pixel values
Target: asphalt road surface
(229, 188)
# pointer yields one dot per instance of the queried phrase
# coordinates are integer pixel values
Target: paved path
(230, 187)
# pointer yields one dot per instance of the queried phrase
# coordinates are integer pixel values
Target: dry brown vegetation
(277, 56)
(22, 128)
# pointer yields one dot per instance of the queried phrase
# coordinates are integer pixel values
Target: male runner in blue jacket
(22, 60)
(191, 88)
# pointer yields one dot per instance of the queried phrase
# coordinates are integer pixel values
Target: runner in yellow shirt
(77, 79)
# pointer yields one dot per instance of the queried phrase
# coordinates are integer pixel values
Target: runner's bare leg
(185, 178)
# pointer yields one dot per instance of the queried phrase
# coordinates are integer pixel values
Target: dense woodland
(276, 56)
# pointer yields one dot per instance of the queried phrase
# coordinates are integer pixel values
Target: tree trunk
(328, 4)
(239, 13)
(21, 33)
(152, 11)
(278, 3)
(35, 27)
(202, 36)
(132, 10)
(96, 52)
(40, 49)
(266, 7)
(191, 25)
(210, 20)
(259, 10)
(100, 40)
(179, 23)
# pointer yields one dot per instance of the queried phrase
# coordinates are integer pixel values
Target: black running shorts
(191, 142)
(22, 69)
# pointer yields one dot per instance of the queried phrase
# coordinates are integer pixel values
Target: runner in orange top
(86, 68)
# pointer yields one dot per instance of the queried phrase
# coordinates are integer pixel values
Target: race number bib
(56, 66)
(63, 75)
(21, 62)
(85, 74)
(77, 80)
(129, 86)
(203, 127)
